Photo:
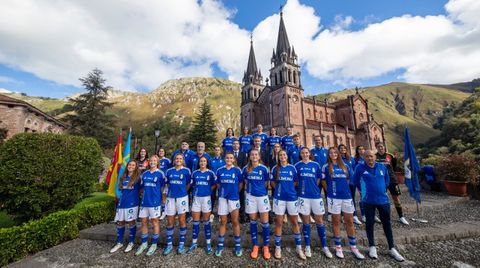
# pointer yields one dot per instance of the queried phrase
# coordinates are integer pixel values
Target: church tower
(251, 89)
(286, 88)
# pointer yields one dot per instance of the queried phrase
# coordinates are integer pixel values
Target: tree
(3, 134)
(203, 128)
(90, 118)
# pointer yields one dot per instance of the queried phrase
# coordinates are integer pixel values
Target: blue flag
(411, 168)
(126, 158)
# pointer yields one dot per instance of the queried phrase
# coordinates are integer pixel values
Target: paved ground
(451, 238)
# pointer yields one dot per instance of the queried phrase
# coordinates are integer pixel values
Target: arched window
(309, 113)
(361, 116)
(328, 141)
(295, 77)
(276, 79)
(320, 115)
(289, 76)
(281, 77)
(332, 117)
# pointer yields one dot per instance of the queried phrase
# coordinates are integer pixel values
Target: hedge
(51, 230)
(41, 173)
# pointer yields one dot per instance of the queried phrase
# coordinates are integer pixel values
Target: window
(328, 141)
(295, 77)
(309, 113)
(320, 115)
(332, 117)
(276, 79)
(361, 116)
(281, 77)
(289, 76)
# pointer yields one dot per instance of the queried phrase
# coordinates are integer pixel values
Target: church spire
(282, 42)
(252, 74)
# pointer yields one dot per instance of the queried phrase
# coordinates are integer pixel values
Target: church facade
(282, 103)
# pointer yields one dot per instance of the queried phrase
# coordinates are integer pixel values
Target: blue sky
(340, 44)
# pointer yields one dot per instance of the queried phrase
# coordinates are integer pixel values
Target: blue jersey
(350, 163)
(152, 183)
(229, 180)
(227, 144)
(202, 182)
(337, 183)
(309, 175)
(194, 161)
(272, 140)
(263, 137)
(165, 164)
(294, 154)
(287, 142)
(256, 180)
(373, 183)
(246, 143)
(285, 183)
(320, 155)
(215, 163)
(187, 155)
(358, 161)
(177, 180)
(130, 195)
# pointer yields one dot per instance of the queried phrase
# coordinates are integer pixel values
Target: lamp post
(157, 134)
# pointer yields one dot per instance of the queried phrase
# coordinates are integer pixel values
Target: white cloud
(4, 90)
(9, 80)
(144, 43)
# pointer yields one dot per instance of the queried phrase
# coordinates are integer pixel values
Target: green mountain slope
(397, 104)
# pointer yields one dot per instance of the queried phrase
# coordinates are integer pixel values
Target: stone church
(282, 103)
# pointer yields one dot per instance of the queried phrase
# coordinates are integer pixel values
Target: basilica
(279, 102)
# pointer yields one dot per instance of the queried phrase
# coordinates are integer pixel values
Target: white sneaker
(372, 252)
(339, 252)
(357, 253)
(278, 253)
(212, 217)
(300, 253)
(356, 220)
(300, 219)
(163, 215)
(116, 247)
(327, 253)
(364, 219)
(129, 247)
(308, 252)
(152, 250)
(141, 249)
(329, 217)
(394, 253)
(377, 219)
(404, 221)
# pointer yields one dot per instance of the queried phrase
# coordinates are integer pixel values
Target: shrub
(458, 167)
(51, 230)
(43, 173)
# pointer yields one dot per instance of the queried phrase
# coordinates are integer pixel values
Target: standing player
(390, 163)
(257, 145)
(227, 143)
(284, 179)
(152, 183)
(339, 200)
(178, 181)
(230, 181)
(350, 162)
(127, 208)
(186, 152)
(262, 136)
(294, 151)
(272, 140)
(203, 182)
(310, 200)
(246, 141)
(320, 153)
(165, 164)
(196, 156)
(215, 163)
(287, 140)
(373, 180)
(142, 160)
(358, 160)
(256, 177)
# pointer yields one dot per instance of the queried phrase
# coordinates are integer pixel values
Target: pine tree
(203, 128)
(90, 118)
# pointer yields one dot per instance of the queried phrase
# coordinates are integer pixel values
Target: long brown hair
(133, 178)
(279, 165)
(249, 163)
(347, 155)
(339, 162)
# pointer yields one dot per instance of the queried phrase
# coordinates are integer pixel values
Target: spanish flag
(114, 168)
(123, 166)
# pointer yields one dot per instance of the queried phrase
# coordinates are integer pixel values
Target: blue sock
(144, 238)
(338, 241)
(237, 243)
(208, 231)
(131, 234)
(306, 233)
(155, 239)
(169, 236)
(120, 233)
(298, 239)
(253, 232)
(278, 241)
(266, 234)
(321, 234)
(352, 240)
(195, 231)
(183, 233)
(221, 239)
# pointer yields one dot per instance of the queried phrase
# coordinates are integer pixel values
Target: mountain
(394, 104)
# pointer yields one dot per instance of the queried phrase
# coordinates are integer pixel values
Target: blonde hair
(339, 162)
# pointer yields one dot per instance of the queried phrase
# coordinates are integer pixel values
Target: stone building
(18, 116)
(282, 103)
